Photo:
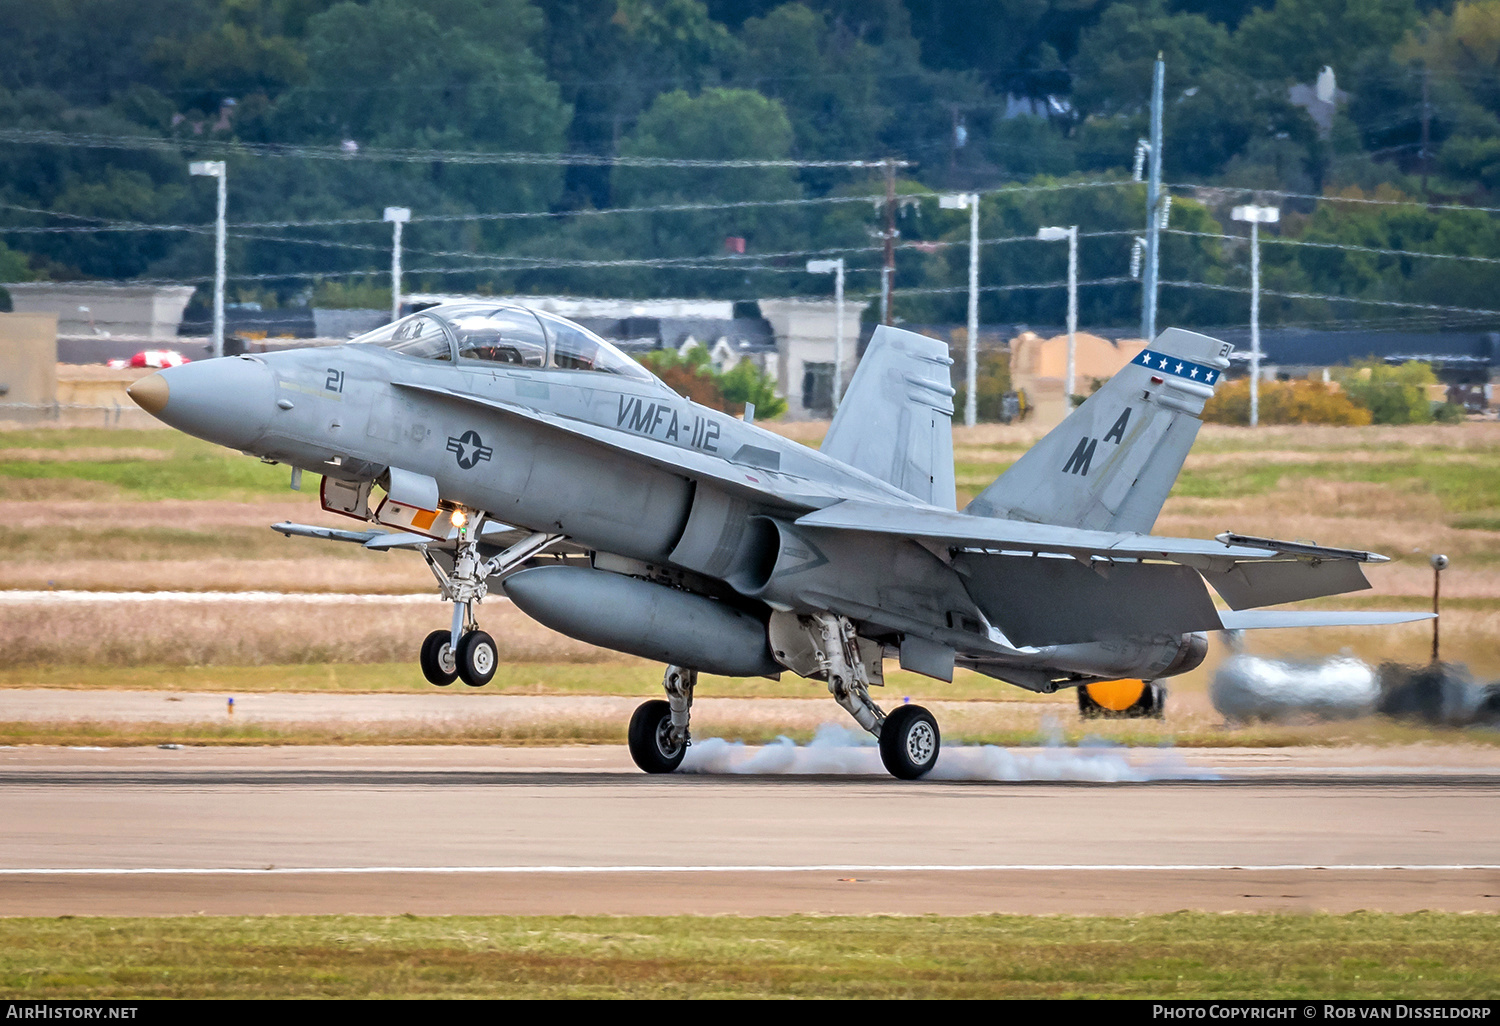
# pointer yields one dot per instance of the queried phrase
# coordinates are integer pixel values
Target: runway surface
(482, 830)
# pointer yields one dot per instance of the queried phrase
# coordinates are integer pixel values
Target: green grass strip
(1184, 955)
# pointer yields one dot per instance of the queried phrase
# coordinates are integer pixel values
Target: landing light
(459, 518)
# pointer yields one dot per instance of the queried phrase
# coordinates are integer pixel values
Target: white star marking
(1163, 363)
(1193, 373)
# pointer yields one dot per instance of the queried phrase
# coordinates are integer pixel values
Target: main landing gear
(464, 651)
(658, 735)
(822, 647)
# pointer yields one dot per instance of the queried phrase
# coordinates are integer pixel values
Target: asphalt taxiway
(481, 830)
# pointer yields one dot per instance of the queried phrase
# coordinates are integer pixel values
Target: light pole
(397, 216)
(215, 169)
(1057, 235)
(961, 201)
(836, 267)
(1257, 216)
(1153, 206)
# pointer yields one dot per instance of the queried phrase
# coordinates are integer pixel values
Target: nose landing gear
(464, 651)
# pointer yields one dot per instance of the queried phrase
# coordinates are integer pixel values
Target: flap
(1271, 582)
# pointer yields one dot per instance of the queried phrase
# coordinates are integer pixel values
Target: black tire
(437, 661)
(649, 747)
(477, 658)
(909, 742)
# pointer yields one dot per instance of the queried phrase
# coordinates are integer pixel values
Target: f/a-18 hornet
(518, 450)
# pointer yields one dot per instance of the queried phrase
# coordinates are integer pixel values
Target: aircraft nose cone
(228, 400)
(150, 393)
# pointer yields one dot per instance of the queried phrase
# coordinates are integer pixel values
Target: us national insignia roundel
(469, 450)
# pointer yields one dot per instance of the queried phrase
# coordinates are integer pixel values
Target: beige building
(28, 359)
(805, 331)
(1039, 367)
(83, 309)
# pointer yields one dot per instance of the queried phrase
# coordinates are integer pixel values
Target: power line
(1337, 199)
(1335, 299)
(418, 156)
(1281, 240)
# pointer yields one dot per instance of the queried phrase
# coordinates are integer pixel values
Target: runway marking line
(330, 870)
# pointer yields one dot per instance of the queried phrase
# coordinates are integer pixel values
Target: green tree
(1393, 395)
(1113, 69)
(1293, 40)
(451, 74)
(746, 383)
(828, 82)
(243, 52)
(691, 374)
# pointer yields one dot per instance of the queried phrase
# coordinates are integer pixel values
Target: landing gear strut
(826, 647)
(659, 737)
(464, 651)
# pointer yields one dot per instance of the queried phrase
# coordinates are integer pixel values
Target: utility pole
(1057, 235)
(1153, 214)
(1256, 216)
(397, 216)
(837, 267)
(971, 353)
(888, 271)
(216, 169)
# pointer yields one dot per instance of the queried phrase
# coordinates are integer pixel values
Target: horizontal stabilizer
(1266, 619)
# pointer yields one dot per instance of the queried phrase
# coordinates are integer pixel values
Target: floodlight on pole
(1057, 235)
(397, 216)
(836, 268)
(216, 169)
(970, 201)
(1256, 216)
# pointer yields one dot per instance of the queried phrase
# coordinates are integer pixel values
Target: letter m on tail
(1078, 463)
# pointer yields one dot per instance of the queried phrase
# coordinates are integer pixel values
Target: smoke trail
(839, 750)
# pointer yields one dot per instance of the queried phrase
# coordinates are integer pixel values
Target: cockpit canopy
(502, 333)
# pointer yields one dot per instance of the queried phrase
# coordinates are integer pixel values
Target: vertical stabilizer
(896, 420)
(1111, 463)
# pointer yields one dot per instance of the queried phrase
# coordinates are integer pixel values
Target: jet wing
(961, 529)
(750, 482)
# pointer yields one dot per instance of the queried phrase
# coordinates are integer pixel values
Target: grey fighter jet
(518, 450)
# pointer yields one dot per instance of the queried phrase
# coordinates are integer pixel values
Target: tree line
(1007, 95)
